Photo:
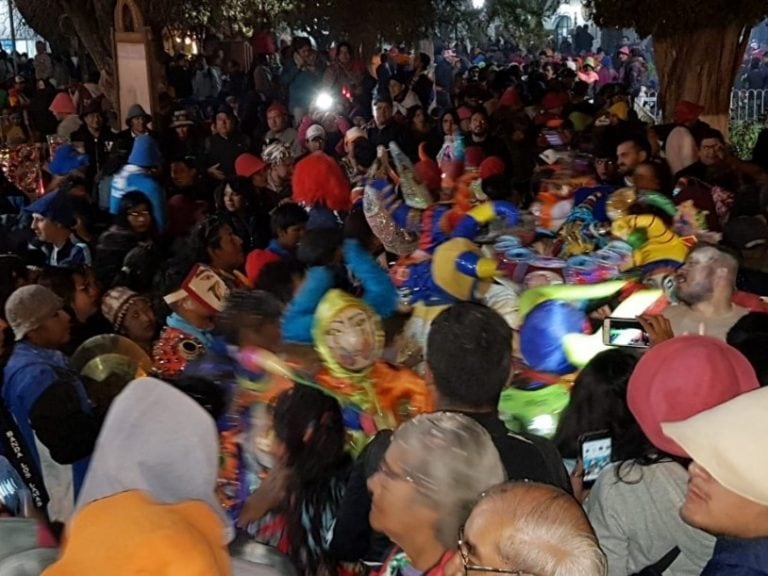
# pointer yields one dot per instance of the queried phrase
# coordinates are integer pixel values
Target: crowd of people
(357, 320)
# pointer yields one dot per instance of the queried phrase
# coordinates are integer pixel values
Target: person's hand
(657, 326)
(601, 313)
(577, 482)
(215, 172)
(268, 496)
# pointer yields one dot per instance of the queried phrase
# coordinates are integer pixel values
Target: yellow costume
(374, 394)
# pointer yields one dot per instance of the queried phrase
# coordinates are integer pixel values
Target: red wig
(318, 179)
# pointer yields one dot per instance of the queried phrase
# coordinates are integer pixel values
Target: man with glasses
(528, 529)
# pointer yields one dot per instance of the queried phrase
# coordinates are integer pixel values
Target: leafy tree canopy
(666, 18)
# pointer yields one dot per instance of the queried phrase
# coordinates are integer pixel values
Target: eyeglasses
(139, 214)
(464, 552)
(390, 474)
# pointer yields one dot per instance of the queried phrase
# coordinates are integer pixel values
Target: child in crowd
(288, 222)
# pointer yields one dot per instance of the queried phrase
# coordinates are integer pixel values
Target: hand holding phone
(657, 327)
(625, 332)
(596, 453)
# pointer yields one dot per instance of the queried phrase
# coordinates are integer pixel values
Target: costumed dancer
(249, 326)
(456, 271)
(188, 331)
(319, 184)
(374, 395)
(377, 291)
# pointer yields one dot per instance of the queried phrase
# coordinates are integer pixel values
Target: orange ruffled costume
(129, 534)
(376, 397)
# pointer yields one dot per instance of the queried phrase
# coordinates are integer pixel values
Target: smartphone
(625, 332)
(554, 138)
(595, 449)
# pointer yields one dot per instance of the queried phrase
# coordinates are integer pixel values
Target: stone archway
(128, 17)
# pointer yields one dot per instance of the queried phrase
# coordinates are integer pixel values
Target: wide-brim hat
(94, 106)
(727, 441)
(181, 118)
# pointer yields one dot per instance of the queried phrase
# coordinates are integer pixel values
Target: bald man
(531, 528)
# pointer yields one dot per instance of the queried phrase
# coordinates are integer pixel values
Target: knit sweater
(637, 521)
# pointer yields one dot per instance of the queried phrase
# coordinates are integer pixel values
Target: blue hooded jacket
(134, 178)
(30, 371)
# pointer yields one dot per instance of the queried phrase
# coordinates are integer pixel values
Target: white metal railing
(746, 105)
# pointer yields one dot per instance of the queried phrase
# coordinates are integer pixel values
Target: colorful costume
(180, 341)
(656, 246)
(374, 394)
(377, 292)
(245, 430)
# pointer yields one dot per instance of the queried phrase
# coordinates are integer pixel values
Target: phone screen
(595, 455)
(625, 332)
(553, 138)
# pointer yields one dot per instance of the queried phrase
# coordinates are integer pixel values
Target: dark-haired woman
(128, 253)
(78, 288)
(306, 485)
(634, 503)
(235, 204)
(599, 402)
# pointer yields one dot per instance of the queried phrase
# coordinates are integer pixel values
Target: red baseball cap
(682, 377)
(247, 165)
(277, 107)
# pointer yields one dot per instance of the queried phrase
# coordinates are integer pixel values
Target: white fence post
(746, 105)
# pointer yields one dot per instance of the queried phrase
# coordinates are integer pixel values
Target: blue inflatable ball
(542, 332)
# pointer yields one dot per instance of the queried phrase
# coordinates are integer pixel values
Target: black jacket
(524, 456)
(224, 151)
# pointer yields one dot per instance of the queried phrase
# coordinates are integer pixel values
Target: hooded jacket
(134, 177)
(50, 406)
(148, 504)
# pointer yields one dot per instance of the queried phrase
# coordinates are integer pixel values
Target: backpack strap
(667, 560)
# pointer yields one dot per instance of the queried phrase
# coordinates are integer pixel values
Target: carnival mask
(351, 338)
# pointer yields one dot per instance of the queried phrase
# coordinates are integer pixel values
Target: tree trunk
(86, 18)
(91, 21)
(700, 66)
